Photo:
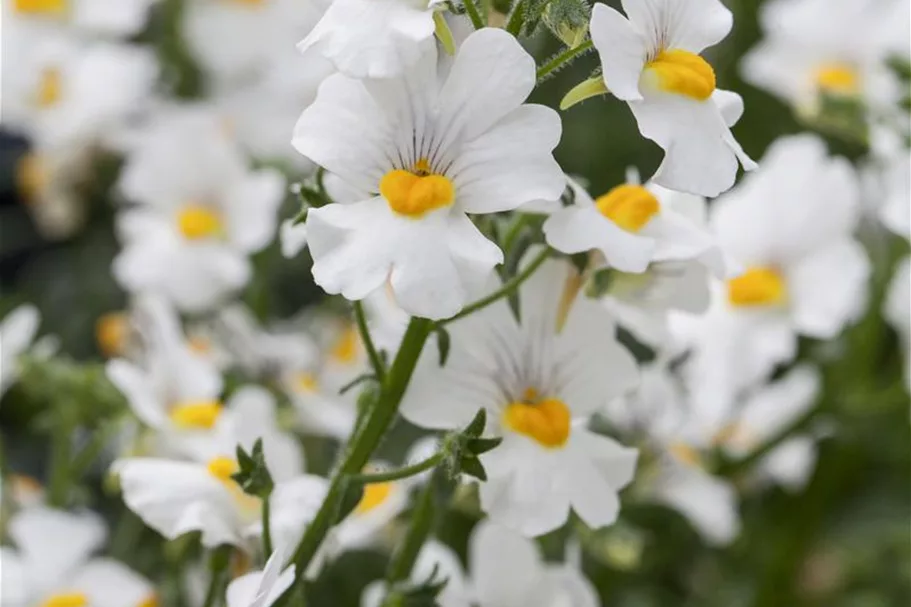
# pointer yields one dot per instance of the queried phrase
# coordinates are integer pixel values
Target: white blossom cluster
(487, 284)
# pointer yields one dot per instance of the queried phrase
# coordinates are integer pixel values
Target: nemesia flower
(894, 211)
(235, 41)
(508, 569)
(650, 59)
(539, 381)
(105, 17)
(430, 147)
(261, 588)
(17, 332)
(59, 92)
(43, 571)
(433, 557)
(817, 48)
(790, 226)
(199, 212)
(367, 39)
(632, 225)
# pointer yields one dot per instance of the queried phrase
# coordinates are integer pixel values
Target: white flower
(200, 211)
(373, 39)
(178, 497)
(236, 41)
(539, 385)
(651, 60)
(790, 226)
(435, 149)
(380, 504)
(437, 558)
(894, 211)
(508, 569)
(106, 17)
(897, 310)
(17, 332)
(59, 90)
(261, 588)
(52, 564)
(633, 225)
(817, 48)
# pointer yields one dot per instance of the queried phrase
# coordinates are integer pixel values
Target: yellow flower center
(375, 494)
(222, 468)
(682, 72)
(149, 601)
(50, 88)
(66, 599)
(346, 349)
(413, 195)
(196, 414)
(200, 344)
(40, 7)
(31, 176)
(197, 221)
(305, 382)
(837, 79)
(111, 332)
(734, 434)
(758, 286)
(686, 454)
(547, 421)
(629, 206)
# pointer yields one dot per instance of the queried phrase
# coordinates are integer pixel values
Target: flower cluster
(536, 353)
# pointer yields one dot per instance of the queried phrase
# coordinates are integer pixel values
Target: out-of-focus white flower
(790, 226)
(507, 569)
(52, 564)
(539, 381)
(433, 149)
(370, 39)
(200, 211)
(261, 588)
(236, 41)
(651, 60)
(294, 235)
(177, 497)
(380, 504)
(58, 91)
(437, 558)
(895, 211)
(897, 310)
(17, 332)
(816, 48)
(633, 225)
(93, 17)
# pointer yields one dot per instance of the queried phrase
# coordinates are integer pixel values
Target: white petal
(576, 229)
(252, 208)
(622, 50)
(293, 238)
(502, 564)
(139, 391)
(109, 583)
(691, 25)
(710, 504)
(792, 462)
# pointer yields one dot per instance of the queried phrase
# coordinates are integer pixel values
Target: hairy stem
(562, 59)
(472, 9)
(376, 362)
(400, 473)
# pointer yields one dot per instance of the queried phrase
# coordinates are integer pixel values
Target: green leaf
(253, 476)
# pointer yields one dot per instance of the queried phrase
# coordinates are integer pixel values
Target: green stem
(366, 440)
(60, 463)
(404, 472)
(471, 8)
(513, 231)
(375, 361)
(91, 451)
(267, 527)
(516, 18)
(506, 290)
(406, 553)
(218, 568)
(561, 59)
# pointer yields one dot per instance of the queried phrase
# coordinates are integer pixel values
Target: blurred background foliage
(843, 541)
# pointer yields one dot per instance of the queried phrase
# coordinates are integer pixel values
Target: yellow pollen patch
(374, 495)
(50, 88)
(837, 79)
(547, 421)
(149, 601)
(200, 344)
(196, 415)
(346, 348)
(758, 286)
(305, 382)
(40, 7)
(197, 221)
(66, 599)
(684, 73)
(222, 468)
(685, 454)
(413, 195)
(629, 206)
(111, 332)
(31, 176)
